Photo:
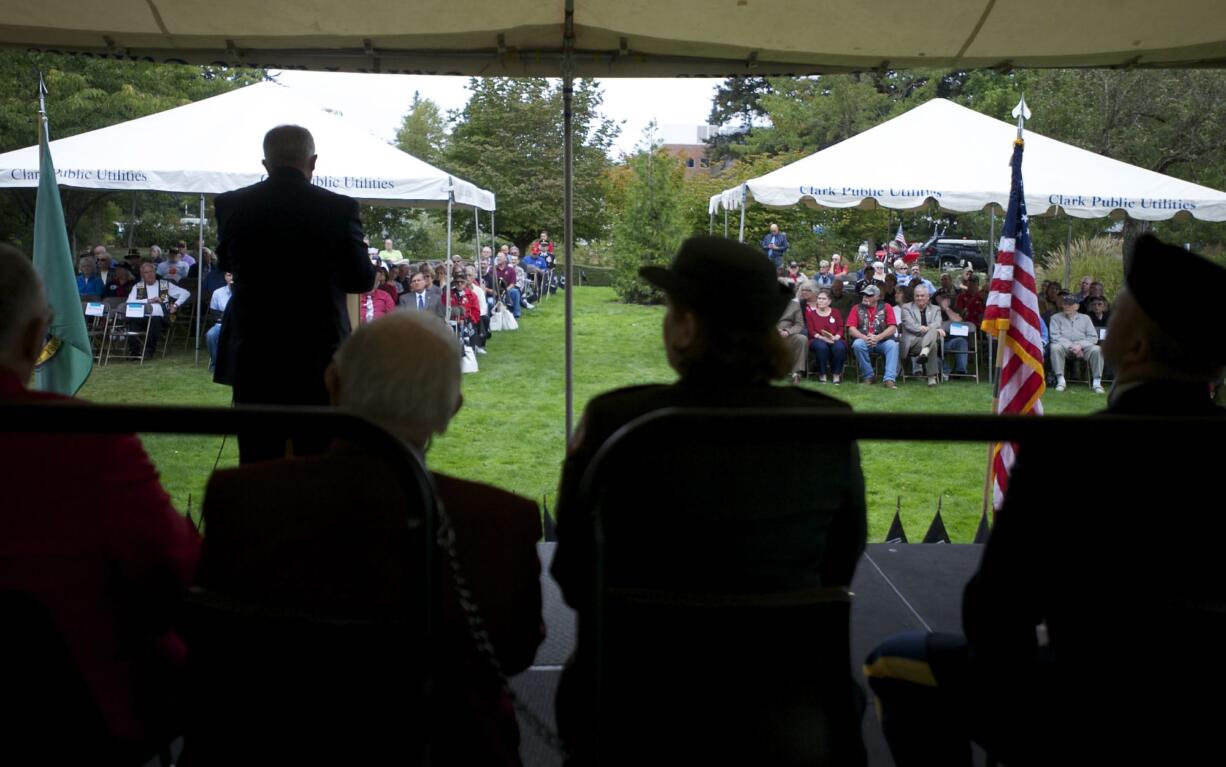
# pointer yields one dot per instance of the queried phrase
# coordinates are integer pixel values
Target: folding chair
(95, 329)
(180, 326)
(121, 334)
(971, 355)
(715, 642)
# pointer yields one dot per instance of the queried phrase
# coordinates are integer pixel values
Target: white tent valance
(215, 145)
(959, 158)
(629, 38)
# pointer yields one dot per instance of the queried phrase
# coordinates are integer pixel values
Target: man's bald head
(290, 146)
(401, 371)
(23, 305)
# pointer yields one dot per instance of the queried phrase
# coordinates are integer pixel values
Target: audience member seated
(725, 360)
(527, 288)
(956, 347)
(918, 279)
(872, 328)
(483, 303)
(824, 277)
(794, 275)
(922, 331)
(947, 288)
(1097, 290)
(837, 266)
(214, 278)
(1049, 301)
(792, 331)
(824, 327)
(1083, 289)
(121, 280)
(874, 277)
(89, 284)
(87, 530)
(217, 304)
(504, 276)
(155, 256)
(1077, 640)
(422, 296)
(1073, 335)
(162, 299)
(842, 298)
(174, 268)
(899, 297)
(969, 302)
(902, 275)
(378, 301)
(402, 371)
(105, 269)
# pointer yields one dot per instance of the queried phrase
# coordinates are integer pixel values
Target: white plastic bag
(469, 363)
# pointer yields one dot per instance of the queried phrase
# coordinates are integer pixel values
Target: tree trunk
(1132, 230)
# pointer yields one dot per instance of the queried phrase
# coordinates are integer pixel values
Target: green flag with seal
(67, 357)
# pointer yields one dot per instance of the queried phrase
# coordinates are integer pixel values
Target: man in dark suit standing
(276, 347)
(1088, 633)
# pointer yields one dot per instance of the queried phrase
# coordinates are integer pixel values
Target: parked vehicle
(948, 253)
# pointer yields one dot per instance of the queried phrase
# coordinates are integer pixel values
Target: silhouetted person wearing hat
(726, 357)
(1091, 630)
(269, 354)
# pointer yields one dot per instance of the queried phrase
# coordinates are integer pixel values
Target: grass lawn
(510, 431)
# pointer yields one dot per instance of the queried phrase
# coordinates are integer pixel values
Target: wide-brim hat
(723, 281)
(1148, 276)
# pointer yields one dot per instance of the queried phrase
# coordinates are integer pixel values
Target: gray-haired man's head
(290, 146)
(23, 305)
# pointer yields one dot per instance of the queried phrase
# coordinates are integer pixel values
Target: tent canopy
(215, 145)
(960, 159)
(632, 38)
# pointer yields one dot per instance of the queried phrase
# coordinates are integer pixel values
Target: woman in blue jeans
(824, 324)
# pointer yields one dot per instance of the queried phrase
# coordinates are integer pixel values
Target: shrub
(1100, 257)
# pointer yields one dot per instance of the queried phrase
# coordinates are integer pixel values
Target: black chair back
(47, 714)
(717, 639)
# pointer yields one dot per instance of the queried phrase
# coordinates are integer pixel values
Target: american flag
(1013, 310)
(899, 238)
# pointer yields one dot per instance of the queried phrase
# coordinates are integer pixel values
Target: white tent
(959, 158)
(633, 38)
(215, 145)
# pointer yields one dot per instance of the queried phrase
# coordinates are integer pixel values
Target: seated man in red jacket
(403, 372)
(87, 531)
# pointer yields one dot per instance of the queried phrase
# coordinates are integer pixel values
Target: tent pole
(568, 199)
(711, 223)
(447, 276)
(132, 223)
(199, 273)
(477, 234)
(1068, 256)
(992, 244)
(493, 240)
(741, 236)
(725, 222)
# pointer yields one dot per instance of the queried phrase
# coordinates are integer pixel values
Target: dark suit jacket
(1108, 563)
(295, 251)
(434, 301)
(320, 533)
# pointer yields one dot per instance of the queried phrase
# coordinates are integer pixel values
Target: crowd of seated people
(822, 327)
(478, 290)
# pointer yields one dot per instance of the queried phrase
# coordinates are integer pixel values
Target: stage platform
(897, 587)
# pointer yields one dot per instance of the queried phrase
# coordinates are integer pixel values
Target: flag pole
(1021, 113)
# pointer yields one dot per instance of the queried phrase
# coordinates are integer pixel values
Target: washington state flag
(67, 357)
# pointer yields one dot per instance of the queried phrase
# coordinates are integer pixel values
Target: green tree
(84, 94)
(651, 225)
(508, 139)
(423, 131)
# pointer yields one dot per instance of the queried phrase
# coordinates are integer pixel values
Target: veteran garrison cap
(723, 281)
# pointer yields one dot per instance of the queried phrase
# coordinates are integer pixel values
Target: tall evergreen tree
(652, 223)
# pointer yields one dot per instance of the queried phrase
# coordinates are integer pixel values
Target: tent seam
(157, 16)
(987, 10)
